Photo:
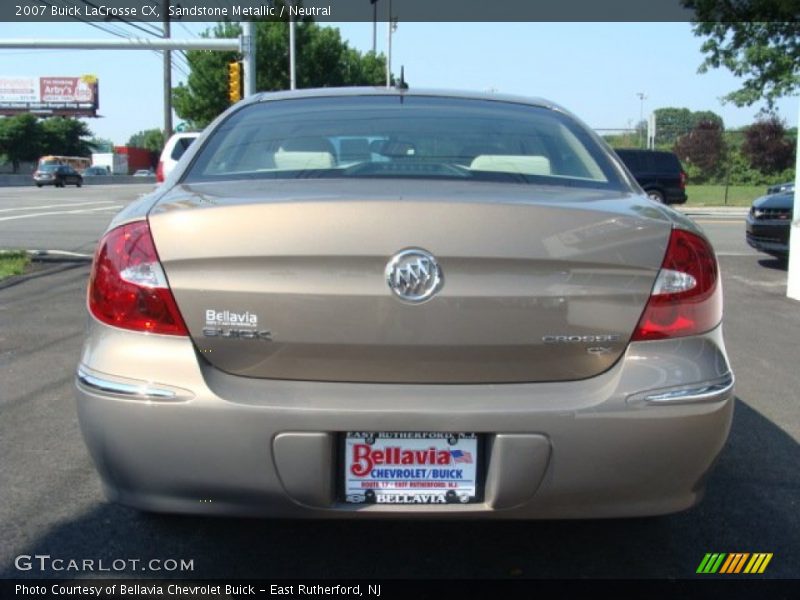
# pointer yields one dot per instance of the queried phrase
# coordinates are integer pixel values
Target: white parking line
(61, 205)
(754, 283)
(60, 212)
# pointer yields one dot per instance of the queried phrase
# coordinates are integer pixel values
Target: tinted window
(631, 159)
(403, 137)
(181, 144)
(666, 163)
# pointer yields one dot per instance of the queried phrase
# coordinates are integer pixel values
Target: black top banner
(401, 10)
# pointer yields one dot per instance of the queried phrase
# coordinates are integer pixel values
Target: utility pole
(167, 77)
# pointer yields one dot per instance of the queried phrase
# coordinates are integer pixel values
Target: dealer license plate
(410, 467)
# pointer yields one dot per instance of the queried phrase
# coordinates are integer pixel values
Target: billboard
(65, 96)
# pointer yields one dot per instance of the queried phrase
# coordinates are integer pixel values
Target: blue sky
(595, 70)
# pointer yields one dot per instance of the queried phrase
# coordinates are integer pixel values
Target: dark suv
(659, 173)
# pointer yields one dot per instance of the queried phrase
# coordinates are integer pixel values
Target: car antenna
(401, 84)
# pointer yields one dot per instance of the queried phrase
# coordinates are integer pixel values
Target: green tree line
(26, 137)
(762, 153)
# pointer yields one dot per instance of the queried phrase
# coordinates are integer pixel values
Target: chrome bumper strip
(144, 391)
(705, 393)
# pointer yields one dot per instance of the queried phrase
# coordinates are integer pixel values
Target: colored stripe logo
(734, 563)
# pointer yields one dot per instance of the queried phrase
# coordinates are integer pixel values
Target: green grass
(13, 262)
(714, 195)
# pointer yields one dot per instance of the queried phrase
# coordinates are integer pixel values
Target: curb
(714, 209)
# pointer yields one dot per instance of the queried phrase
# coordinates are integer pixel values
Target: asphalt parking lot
(52, 502)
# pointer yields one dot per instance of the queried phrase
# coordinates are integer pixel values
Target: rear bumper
(636, 440)
(678, 196)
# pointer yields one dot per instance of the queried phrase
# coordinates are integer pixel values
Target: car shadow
(750, 506)
(778, 264)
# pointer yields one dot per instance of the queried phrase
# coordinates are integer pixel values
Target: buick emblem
(414, 275)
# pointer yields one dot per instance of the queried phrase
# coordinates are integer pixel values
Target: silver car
(392, 303)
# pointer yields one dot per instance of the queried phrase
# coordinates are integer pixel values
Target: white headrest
(292, 161)
(512, 163)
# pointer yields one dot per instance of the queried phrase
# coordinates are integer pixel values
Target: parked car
(57, 175)
(96, 171)
(781, 187)
(172, 152)
(143, 173)
(479, 316)
(659, 173)
(768, 223)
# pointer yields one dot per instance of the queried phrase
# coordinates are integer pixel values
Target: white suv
(172, 152)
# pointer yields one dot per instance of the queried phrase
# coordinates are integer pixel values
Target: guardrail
(27, 180)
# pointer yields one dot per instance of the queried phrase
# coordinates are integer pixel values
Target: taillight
(683, 180)
(160, 172)
(128, 288)
(687, 296)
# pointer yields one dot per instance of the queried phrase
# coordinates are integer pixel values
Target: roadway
(52, 502)
(68, 219)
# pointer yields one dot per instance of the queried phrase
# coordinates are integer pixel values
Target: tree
(65, 136)
(766, 146)
(758, 40)
(323, 60)
(99, 144)
(205, 94)
(671, 123)
(702, 150)
(20, 139)
(623, 140)
(149, 139)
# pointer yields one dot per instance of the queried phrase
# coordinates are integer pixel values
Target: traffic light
(234, 81)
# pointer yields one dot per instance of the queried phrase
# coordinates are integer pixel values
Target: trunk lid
(287, 279)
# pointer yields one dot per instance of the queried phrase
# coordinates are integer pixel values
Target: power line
(183, 67)
(120, 19)
(186, 29)
(92, 24)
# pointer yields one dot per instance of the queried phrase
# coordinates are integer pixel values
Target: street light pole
(389, 47)
(374, 25)
(292, 68)
(642, 98)
(248, 50)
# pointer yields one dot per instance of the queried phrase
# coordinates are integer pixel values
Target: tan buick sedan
(394, 303)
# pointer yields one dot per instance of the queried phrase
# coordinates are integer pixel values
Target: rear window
(666, 163)
(632, 160)
(649, 161)
(181, 144)
(403, 137)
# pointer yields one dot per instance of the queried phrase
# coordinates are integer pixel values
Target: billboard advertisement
(65, 96)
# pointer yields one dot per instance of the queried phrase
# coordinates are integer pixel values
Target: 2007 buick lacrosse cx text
(403, 303)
